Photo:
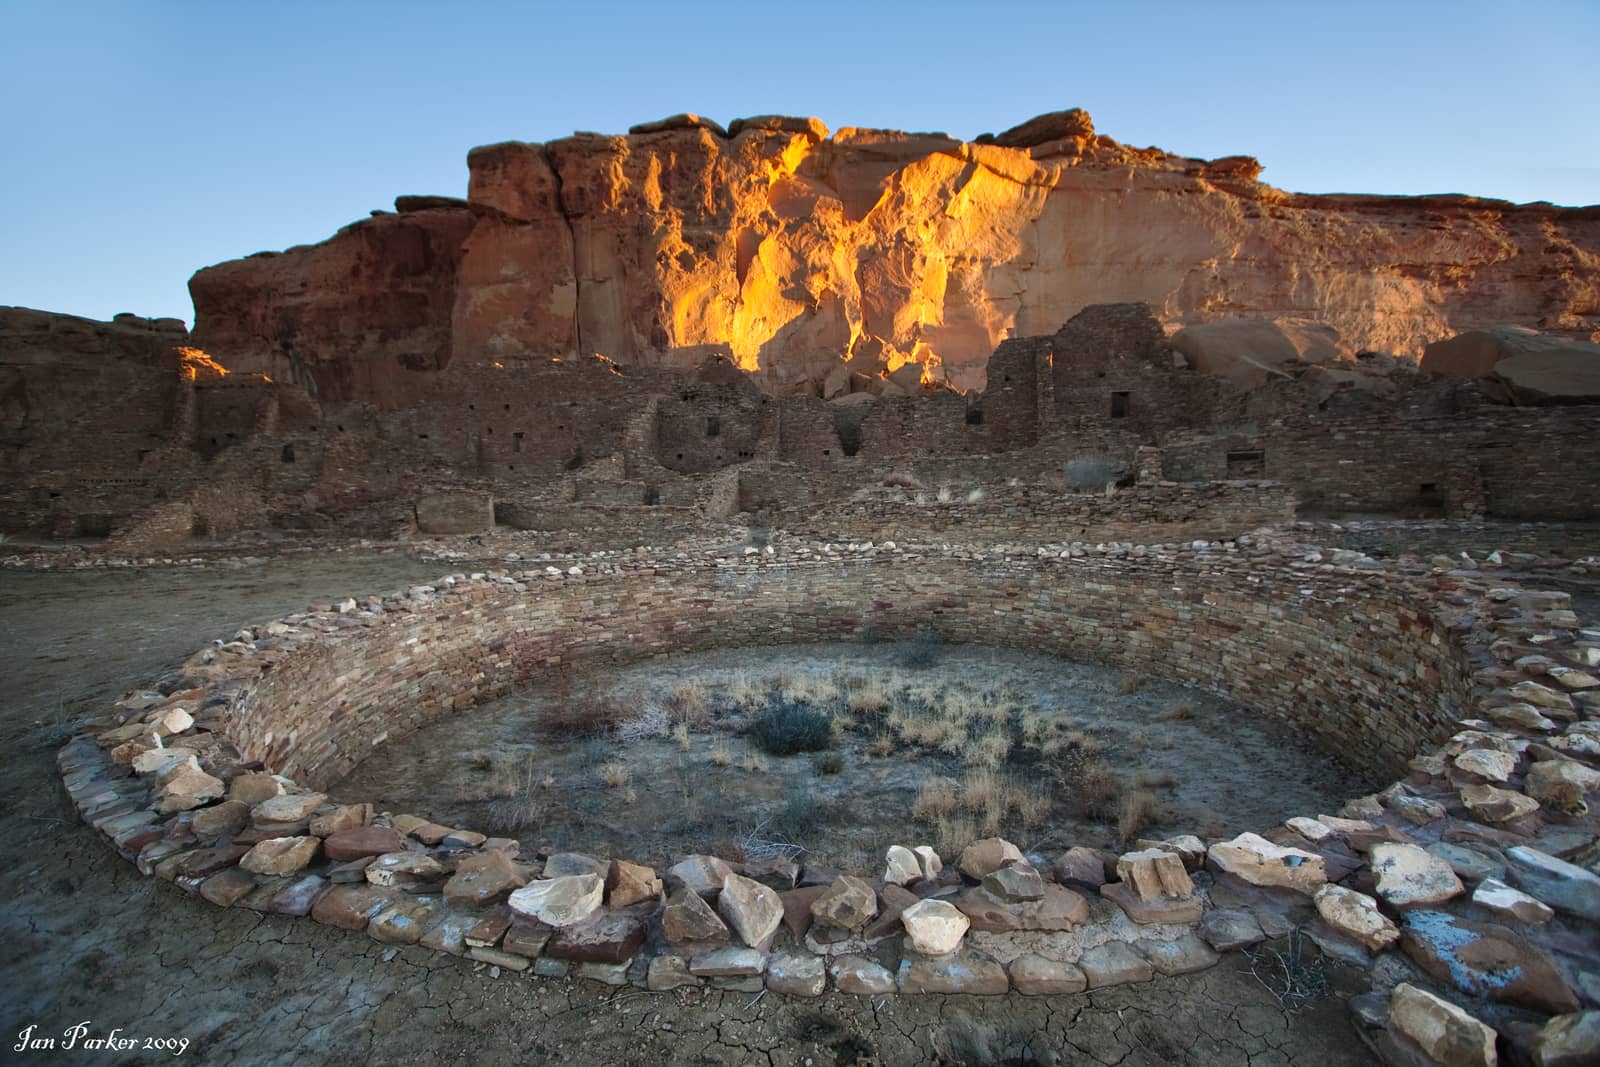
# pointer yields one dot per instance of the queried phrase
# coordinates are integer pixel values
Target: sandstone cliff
(806, 257)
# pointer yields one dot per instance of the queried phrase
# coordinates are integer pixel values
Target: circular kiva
(214, 783)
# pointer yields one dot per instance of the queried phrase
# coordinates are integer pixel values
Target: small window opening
(287, 455)
(974, 416)
(1247, 463)
(1428, 493)
(1119, 405)
(652, 495)
(516, 441)
(713, 425)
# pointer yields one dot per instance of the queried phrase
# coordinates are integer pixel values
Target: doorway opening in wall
(847, 427)
(652, 495)
(1119, 405)
(1429, 496)
(516, 441)
(1247, 463)
(713, 425)
(287, 455)
(974, 415)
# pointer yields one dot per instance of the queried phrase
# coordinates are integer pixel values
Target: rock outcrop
(1524, 366)
(794, 252)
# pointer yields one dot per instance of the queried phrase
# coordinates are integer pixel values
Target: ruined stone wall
(1359, 661)
(1504, 462)
(1153, 512)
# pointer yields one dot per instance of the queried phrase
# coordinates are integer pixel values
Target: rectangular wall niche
(1119, 405)
(1247, 463)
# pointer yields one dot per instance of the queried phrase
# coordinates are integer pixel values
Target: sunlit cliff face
(195, 364)
(860, 253)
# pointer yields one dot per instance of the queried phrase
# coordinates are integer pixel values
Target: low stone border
(212, 784)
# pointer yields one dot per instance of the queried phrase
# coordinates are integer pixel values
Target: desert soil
(84, 938)
(1217, 771)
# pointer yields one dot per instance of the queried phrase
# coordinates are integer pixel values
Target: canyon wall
(808, 258)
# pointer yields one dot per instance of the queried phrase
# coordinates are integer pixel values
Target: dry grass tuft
(680, 734)
(951, 834)
(1131, 683)
(689, 704)
(1137, 810)
(721, 754)
(754, 763)
(615, 774)
(936, 798)
(1177, 713)
(1097, 788)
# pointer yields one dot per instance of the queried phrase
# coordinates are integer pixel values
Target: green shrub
(921, 650)
(785, 727)
(827, 763)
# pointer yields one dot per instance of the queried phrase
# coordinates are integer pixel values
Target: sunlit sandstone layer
(814, 259)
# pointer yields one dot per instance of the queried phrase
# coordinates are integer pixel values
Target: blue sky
(145, 140)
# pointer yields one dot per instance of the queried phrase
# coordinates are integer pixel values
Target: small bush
(1093, 472)
(785, 728)
(615, 774)
(827, 763)
(1177, 713)
(753, 763)
(1131, 683)
(1137, 810)
(920, 651)
(1152, 779)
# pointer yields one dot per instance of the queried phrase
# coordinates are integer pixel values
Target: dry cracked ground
(84, 938)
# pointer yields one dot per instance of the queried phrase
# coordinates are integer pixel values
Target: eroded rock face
(794, 253)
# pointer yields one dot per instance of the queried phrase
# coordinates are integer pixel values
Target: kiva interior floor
(927, 744)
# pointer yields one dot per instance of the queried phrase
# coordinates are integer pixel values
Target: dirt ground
(84, 938)
(1215, 770)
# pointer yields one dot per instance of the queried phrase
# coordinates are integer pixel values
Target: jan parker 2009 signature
(82, 1036)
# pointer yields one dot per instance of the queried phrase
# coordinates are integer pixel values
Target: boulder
(797, 974)
(1033, 975)
(967, 972)
(1178, 955)
(1490, 804)
(1258, 861)
(982, 858)
(281, 855)
(934, 927)
(861, 976)
(700, 874)
(1356, 915)
(1564, 886)
(688, 920)
(630, 883)
(363, 841)
(849, 903)
(1225, 929)
(564, 901)
(1445, 1033)
(1410, 876)
(752, 909)
(483, 878)
(1568, 1041)
(1114, 963)
(1248, 352)
(604, 937)
(1500, 899)
(901, 866)
(1522, 366)
(1485, 960)
(1561, 785)
(1015, 882)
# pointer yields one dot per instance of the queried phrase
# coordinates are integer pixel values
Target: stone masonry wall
(1360, 665)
